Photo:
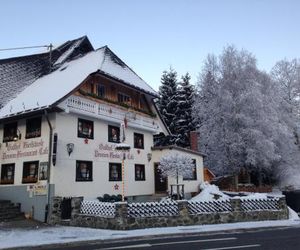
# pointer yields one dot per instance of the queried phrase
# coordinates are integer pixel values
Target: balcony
(110, 113)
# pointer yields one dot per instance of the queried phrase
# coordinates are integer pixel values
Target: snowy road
(266, 239)
(60, 234)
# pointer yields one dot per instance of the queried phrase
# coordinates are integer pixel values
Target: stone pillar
(183, 208)
(282, 203)
(75, 205)
(121, 209)
(283, 207)
(121, 215)
(54, 216)
(236, 204)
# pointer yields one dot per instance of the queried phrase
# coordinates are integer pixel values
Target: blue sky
(150, 36)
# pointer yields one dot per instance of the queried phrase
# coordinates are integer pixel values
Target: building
(60, 123)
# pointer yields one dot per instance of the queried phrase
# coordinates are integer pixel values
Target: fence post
(282, 203)
(54, 216)
(121, 214)
(183, 209)
(283, 206)
(236, 204)
(75, 205)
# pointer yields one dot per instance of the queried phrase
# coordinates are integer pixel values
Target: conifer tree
(167, 103)
(184, 121)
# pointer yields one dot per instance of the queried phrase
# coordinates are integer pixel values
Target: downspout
(49, 165)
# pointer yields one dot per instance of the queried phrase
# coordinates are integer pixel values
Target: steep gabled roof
(114, 67)
(17, 73)
(52, 88)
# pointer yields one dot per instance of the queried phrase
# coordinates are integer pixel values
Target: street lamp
(123, 147)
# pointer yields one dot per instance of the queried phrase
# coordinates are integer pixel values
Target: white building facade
(59, 136)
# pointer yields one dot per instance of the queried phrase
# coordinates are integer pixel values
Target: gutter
(49, 165)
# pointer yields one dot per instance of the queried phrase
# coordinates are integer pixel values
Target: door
(161, 182)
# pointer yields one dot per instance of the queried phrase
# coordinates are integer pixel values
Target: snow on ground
(209, 193)
(62, 234)
(16, 237)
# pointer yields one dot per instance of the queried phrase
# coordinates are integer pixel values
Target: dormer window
(10, 131)
(100, 90)
(33, 127)
(123, 98)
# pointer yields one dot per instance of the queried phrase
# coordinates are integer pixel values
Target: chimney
(194, 140)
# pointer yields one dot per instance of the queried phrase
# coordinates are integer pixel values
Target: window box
(29, 180)
(123, 98)
(85, 129)
(33, 127)
(84, 171)
(115, 172)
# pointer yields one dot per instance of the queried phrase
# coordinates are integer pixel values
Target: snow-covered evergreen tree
(184, 123)
(175, 165)
(167, 103)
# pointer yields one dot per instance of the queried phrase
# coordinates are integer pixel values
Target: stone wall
(122, 221)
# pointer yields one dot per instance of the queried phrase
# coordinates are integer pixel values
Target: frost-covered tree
(167, 103)
(286, 79)
(175, 165)
(184, 122)
(286, 74)
(238, 120)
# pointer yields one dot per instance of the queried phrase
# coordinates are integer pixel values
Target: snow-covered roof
(171, 147)
(51, 88)
(18, 73)
(116, 68)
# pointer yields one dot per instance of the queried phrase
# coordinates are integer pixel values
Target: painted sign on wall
(108, 151)
(24, 149)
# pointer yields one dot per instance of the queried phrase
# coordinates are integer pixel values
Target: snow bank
(210, 193)
(254, 196)
(293, 215)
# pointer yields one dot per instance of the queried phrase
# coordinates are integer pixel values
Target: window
(30, 172)
(113, 134)
(43, 172)
(92, 88)
(115, 172)
(193, 175)
(10, 131)
(122, 98)
(33, 127)
(85, 129)
(138, 140)
(139, 172)
(7, 173)
(100, 90)
(84, 171)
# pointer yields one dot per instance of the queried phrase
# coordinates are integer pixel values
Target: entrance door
(161, 183)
